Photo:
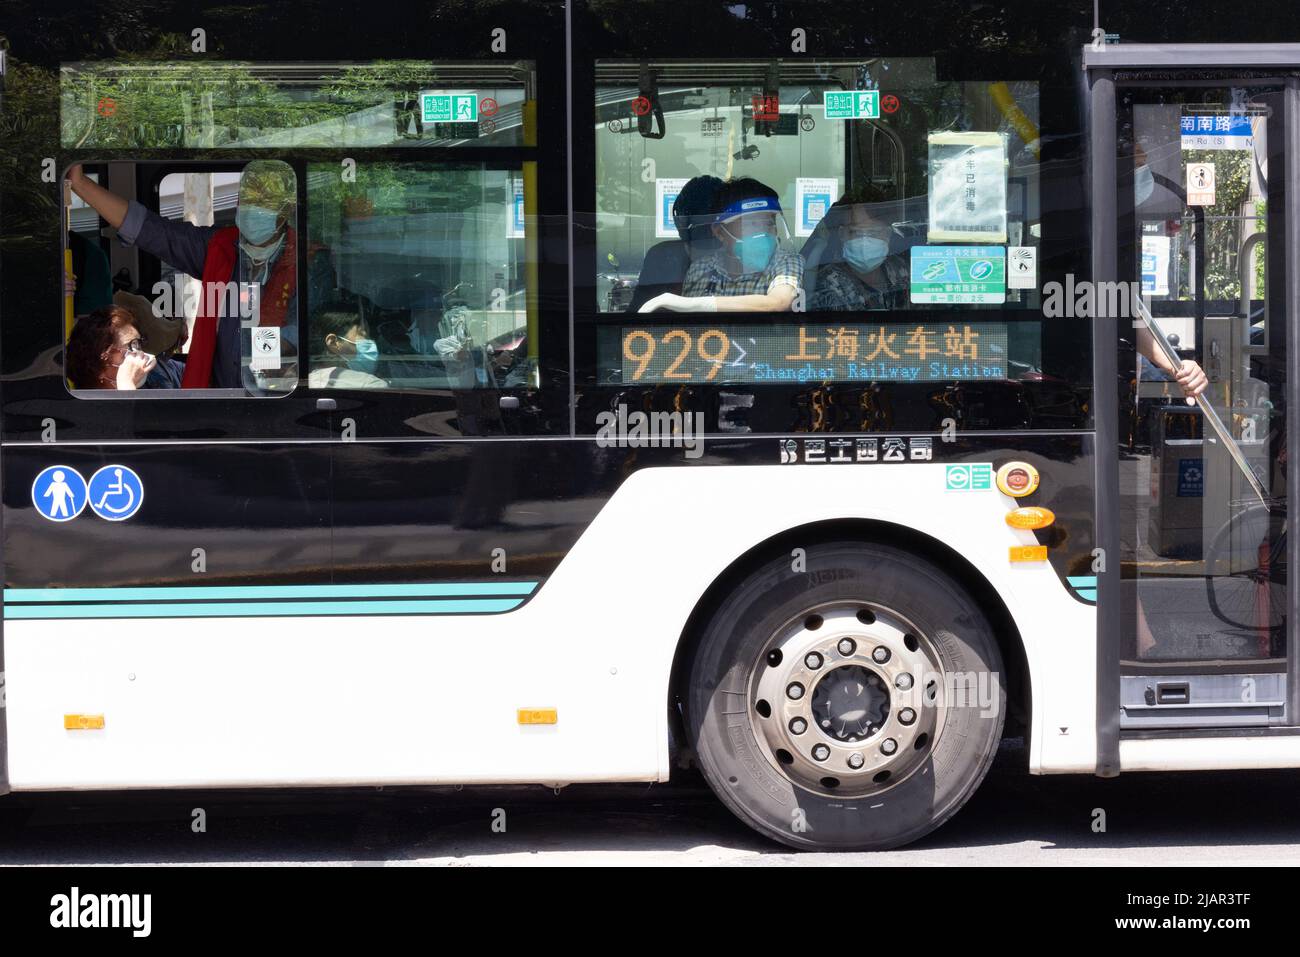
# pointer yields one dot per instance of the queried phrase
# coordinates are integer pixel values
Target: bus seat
(819, 249)
(662, 271)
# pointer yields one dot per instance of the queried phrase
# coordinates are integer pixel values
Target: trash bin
(1177, 483)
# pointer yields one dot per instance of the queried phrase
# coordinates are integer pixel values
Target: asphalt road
(1238, 818)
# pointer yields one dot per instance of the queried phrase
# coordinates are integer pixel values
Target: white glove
(676, 303)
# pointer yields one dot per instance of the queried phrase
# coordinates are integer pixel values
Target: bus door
(1201, 214)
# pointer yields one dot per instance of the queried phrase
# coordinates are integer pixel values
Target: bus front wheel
(852, 703)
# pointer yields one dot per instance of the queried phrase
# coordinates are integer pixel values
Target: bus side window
(418, 278)
(223, 312)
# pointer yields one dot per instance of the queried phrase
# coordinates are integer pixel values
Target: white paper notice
(968, 187)
(1155, 265)
(813, 197)
(1022, 267)
(266, 349)
(666, 191)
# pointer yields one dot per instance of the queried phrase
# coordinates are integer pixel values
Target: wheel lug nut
(847, 646)
(798, 726)
(888, 746)
(903, 681)
(813, 661)
(856, 760)
(821, 752)
(794, 691)
(907, 716)
(880, 655)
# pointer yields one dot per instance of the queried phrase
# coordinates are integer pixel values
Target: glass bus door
(1203, 486)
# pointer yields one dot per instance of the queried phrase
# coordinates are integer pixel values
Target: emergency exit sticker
(449, 106)
(1200, 184)
(852, 104)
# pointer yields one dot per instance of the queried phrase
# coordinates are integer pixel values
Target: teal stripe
(213, 592)
(1082, 581)
(264, 609)
(1088, 594)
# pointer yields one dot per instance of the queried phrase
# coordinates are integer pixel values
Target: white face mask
(261, 255)
(1144, 183)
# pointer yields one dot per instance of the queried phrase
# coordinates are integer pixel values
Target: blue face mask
(865, 253)
(256, 224)
(367, 355)
(1144, 184)
(755, 252)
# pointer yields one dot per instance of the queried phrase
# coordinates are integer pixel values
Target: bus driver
(754, 268)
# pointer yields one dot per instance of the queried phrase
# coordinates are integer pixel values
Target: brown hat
(161, 334)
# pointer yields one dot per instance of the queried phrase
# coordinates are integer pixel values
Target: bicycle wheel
(1246, 571)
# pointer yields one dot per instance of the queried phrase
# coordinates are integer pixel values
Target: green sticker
(852, 105)
(967, 478)
(448, 107)
(959, 274)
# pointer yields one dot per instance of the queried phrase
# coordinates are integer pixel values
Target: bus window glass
(427, 279)
(834, 186)
(866, 159)
(290, 105)
(223, 313)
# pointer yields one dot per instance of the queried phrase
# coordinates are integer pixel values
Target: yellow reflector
(1030, 516)
(83, 722)
(538, 716)
(1017, 479)
(1028, 553)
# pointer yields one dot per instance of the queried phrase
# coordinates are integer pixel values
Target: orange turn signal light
(538, 716)
(1030, 516)
(83, 722)
(1028, 553)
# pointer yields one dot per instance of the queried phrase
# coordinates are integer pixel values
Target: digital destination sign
(784, 354)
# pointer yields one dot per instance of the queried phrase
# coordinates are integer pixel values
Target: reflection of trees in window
(152, 105)
(1227, 224)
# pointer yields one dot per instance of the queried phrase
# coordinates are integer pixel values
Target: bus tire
(856, 704)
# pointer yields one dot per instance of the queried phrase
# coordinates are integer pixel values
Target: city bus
(585, 392)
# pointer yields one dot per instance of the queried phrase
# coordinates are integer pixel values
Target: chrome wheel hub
(847, 699)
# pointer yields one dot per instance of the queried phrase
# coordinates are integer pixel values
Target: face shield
(753, 231)
(268, 200)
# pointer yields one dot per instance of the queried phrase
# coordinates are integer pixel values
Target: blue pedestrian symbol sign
(59, 493)
(115, 493)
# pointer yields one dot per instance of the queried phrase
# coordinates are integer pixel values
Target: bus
(582, 391)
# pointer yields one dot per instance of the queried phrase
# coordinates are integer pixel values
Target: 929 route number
(711, 345)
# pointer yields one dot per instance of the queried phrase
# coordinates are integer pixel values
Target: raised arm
(108, 204)
(181, 244)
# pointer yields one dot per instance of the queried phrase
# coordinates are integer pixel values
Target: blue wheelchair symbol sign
(59, 493)
(115, 493)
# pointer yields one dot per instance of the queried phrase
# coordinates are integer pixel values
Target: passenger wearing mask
(107, 351)
(864, 274)
(260, 248)
(344, 356)
(753, 270)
